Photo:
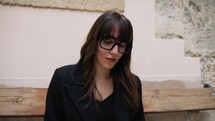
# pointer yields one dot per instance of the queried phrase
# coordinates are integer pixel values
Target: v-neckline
(106, 99)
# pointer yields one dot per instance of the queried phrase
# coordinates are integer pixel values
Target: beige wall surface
(34, 42)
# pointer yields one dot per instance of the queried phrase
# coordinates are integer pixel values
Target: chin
(109, 66)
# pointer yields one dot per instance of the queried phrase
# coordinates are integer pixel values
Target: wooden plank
(22, 101)
(173, 100)
(31, 101)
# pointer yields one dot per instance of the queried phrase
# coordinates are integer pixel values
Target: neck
(103, 77)
(104, 83)
(102, 73)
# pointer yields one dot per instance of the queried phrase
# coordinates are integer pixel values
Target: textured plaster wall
(193, 21)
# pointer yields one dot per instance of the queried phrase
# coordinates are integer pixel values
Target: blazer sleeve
(53, 111)
(140, 113)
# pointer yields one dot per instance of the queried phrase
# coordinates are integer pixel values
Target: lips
(111, 60)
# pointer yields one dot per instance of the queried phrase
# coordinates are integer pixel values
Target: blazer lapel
(121, 112)
(75, 92)
(74, 89)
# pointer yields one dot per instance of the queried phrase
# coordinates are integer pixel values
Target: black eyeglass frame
(127, 49)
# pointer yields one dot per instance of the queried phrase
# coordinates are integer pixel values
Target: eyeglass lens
(108, 42)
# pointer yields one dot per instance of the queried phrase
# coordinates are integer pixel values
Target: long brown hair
(121, 72)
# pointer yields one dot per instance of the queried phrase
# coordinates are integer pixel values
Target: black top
(105, 109)
(64, 93)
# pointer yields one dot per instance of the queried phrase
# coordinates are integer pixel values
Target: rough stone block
(81, 5)
(191, 20)
(208, 69)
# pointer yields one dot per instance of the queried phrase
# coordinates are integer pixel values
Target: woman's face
(106, 59)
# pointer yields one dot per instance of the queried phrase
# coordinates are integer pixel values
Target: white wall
(33, 42)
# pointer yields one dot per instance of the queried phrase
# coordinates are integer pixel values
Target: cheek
(100, 54)
(100, 51)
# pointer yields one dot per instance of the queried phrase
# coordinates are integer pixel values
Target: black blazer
(65, 90)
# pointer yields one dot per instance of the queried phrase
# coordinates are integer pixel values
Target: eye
(108, 41)
(122, 45)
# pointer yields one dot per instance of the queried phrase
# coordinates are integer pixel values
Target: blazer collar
(75, 91)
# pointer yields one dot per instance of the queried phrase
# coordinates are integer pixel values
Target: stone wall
(194, 22)
(80, 5)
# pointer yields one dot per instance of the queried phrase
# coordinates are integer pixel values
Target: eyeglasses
(108, 42)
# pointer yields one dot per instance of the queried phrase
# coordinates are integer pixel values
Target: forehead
(117, 29)
(115, 32)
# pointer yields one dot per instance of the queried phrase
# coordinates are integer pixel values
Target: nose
(115, 50)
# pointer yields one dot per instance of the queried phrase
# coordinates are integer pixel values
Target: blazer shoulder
(137, 80)
(70, 74)
(64, 70)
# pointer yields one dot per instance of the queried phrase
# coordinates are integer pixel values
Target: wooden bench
(30, 102)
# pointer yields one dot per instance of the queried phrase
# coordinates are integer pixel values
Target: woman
(100, 87)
